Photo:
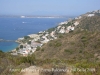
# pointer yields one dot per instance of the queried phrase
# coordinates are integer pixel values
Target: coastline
(9, 46)
(19, 29)
(30, 43)
(33, 41)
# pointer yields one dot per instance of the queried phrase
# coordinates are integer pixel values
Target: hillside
(85, 39)
(73, 44)
(11, 65)
(80, 47)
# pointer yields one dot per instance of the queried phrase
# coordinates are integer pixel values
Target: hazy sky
(47, 7)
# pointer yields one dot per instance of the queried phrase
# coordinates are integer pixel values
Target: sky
(48, 7)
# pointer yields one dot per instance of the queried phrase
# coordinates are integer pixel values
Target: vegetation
(21, 46)
(8, 62)
(17, 48)
(1, 54)
(29, 42)
(50, 30)
(38, 48)
(78, 50)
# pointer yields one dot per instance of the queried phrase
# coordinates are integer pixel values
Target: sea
(14, 28)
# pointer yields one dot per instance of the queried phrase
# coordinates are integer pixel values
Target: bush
(2, 53)
(29, 42)
(58, 44)
(42, 49)
(80, 51)
(60, 36)
(50, 30)
(21, 46)
(17, 48)
(68, 51)
(38, 48)
(83, 37)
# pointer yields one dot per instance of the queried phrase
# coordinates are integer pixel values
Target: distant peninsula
(34, 16)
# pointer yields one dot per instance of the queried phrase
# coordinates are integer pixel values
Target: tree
(21, 46)
(1, 51)
(38, 48)
(17, 48)
(2, 54)
(29, 42)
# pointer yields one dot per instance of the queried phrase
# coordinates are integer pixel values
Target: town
(30, 43)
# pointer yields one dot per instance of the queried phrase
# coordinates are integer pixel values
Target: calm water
(13, 28)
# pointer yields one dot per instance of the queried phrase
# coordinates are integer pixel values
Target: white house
(69, 28)
(62, 31)
(25, 53)
(90, 15)
(33, 35)
(33, 50)
(78, 17)
(76, 23)
(46, 34)
(58, 27)
(72, 28)
(52, 33)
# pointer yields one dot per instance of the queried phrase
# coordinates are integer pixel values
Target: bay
(14, 28)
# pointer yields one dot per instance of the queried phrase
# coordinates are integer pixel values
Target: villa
(76, 23)
(90, 15)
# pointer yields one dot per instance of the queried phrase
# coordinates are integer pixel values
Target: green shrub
(68, 51)
(17, 48)
(83, 37)
(21, 46)
(38, 48)
(60, 36)
(42, 49)
(58, 44)
(80, 51)
(29, 42)
(2, 53)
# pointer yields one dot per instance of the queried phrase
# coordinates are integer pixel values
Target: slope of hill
(79, 48)
(10, 65)
(85, 38)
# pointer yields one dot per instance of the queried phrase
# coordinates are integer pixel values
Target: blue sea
(14, 28)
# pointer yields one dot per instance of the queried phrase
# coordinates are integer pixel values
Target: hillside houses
(62, 30)
(78, 17)
(70, 28)
(27, 49)
(44, 37)
(37, 40)
(35, 36)
(52, 34)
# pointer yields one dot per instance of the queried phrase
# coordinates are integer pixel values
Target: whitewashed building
(76, 23)
(90, 15)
